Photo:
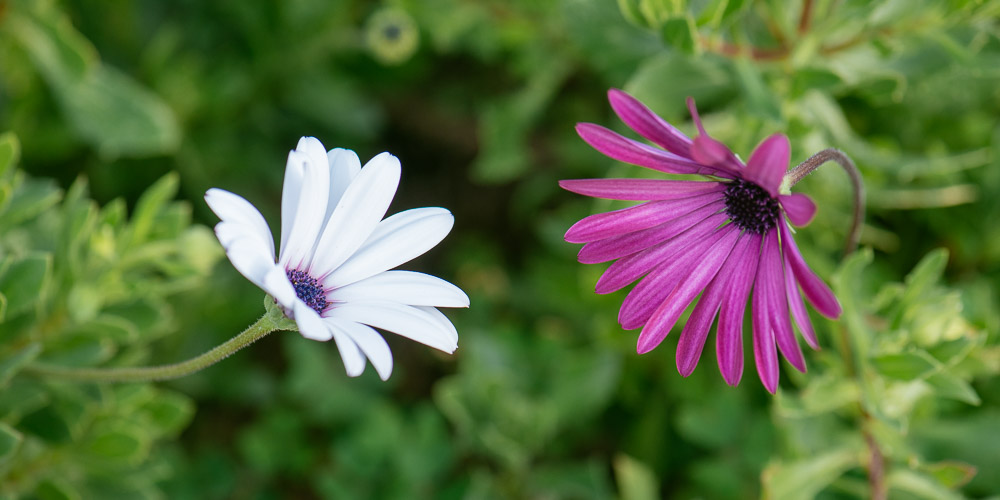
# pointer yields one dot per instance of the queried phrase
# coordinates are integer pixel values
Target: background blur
(545, 397)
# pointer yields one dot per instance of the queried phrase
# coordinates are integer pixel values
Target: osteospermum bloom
(332, 275)
(721, 235)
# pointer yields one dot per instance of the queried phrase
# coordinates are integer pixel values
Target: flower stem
(807, 167)
(265, 325)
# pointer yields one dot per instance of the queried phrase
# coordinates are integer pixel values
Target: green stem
(265, 325)
(835, 155)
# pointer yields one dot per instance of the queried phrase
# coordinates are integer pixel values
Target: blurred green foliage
(545, 397)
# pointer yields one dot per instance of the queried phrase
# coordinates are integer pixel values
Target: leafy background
(120, 115)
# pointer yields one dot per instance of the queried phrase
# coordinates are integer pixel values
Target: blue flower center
(750, 207)
(308, 290)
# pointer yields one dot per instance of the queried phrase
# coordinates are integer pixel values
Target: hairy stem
(815, 161)
(253, 333)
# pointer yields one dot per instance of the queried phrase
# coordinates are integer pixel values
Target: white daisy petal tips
(332, 274)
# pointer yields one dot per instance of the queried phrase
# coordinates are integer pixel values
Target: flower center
(308, 290)
(750, 207)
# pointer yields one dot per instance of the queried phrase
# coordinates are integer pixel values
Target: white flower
(333, 273)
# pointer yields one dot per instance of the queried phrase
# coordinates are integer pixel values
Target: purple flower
(720, 235)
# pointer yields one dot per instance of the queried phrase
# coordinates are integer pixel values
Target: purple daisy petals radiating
(627, 150)
(665, 316)
(649, 293)
(695, 332)
(729, 332)
(638, 189)
(727, 239)
(768, 163)
(796, 305)
(642, 216)
(623, 245)
(638, 117)
(761, 312)
(629, 269)
(815, 290)
(799, 208)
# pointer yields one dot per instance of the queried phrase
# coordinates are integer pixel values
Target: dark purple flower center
(750, 207)
(308, 290)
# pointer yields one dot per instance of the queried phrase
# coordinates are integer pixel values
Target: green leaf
(56, 489)
(636, 481)
(704, 78)
(120, 442)
(919, 485)
(118, 116)
(150, 205)
(951, 386)
(24, 281)
(760, 100)
(951, 474)
(20, 398)
(10, 150)
(925, 275)
(681, 34)
(79, 351)
(169, 412)
(15, 362)
(57, 49)
(30, 198)
(805, 478)
(104, 106)
(905, 365)
(631, 12)
(805, 79)
(47, 424)
(10, 440)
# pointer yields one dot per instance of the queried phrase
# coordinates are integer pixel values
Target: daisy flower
(332, 275)
(722, 235)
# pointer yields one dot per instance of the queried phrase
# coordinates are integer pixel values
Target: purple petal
(643, 300)
(629, 269)
(639, 189)
(627, 244)
(768, 163)
(729, 336)
(764, 353)
(771, 279)
(665, 316)
(624, 149)
(695, 332)
(799, 207)
(637, 116)
(631, 219)
(816, 291)
(798, 307)
(711, 152)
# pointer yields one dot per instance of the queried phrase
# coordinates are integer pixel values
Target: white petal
(233, 208)
(314, 149)
(290, 192)
(250, 259)
(310, 324)
(311, 210)
(405, 287)
(344, 167)
(398, 239)
(276, 283)
(364, 203)
(229, 232)
(371, 343)
(354, 359)
(442, 321)
(401, 319)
